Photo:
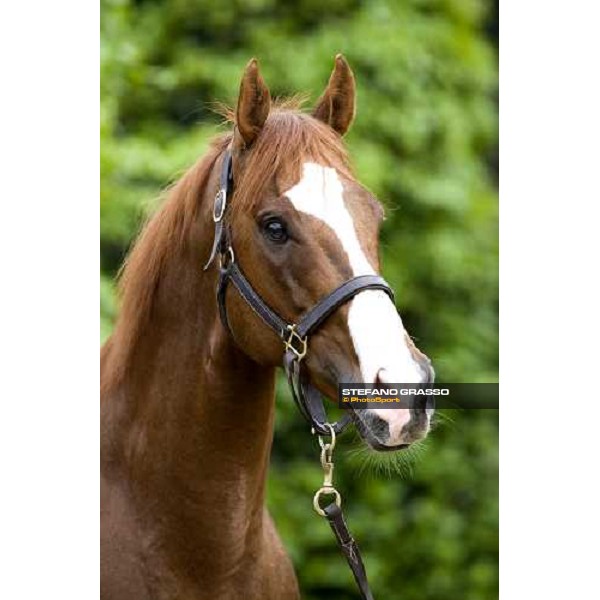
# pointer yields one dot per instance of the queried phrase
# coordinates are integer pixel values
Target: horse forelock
(288, 139)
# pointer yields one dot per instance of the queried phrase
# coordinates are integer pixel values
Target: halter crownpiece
(295, 347)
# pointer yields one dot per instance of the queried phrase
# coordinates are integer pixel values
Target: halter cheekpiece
(295, 337)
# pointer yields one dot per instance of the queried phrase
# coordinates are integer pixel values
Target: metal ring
(323, 492)
(228, 253)
(331, 444)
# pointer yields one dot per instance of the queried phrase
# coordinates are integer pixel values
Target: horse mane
(288, 139)
(161, 237)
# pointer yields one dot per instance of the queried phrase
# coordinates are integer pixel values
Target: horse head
(301, 225)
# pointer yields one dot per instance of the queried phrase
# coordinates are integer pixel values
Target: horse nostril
(382, 377)
(379, 427)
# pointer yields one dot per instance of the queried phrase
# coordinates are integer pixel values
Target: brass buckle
(299, 351)
(219, 205)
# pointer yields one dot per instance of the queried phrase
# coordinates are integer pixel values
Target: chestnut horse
(187, 406)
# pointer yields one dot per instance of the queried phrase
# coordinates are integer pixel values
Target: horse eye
(275, 230)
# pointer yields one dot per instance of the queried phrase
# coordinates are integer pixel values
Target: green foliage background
(425, 142)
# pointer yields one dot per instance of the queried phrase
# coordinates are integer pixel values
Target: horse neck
(188, 427)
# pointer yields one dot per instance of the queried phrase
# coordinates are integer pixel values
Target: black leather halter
(293, 335)
(295, 346)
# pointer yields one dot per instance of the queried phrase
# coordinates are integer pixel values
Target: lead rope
(335, 517)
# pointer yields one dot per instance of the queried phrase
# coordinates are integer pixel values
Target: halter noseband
(293, 335)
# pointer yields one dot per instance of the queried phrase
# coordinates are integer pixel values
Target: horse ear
(253, 106)
(337, 105)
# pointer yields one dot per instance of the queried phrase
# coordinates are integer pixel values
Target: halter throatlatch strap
(295, 346)
(232, 273)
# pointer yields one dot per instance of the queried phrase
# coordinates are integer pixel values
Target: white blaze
(375, 327)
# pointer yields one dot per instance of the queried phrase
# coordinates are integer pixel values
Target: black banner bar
(418, 395)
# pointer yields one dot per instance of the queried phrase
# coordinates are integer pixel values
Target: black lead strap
(295, 340)
(349, 548)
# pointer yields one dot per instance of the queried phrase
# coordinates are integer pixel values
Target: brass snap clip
(327, 488)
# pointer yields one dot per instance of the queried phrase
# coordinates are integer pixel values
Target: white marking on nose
(375, 327)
